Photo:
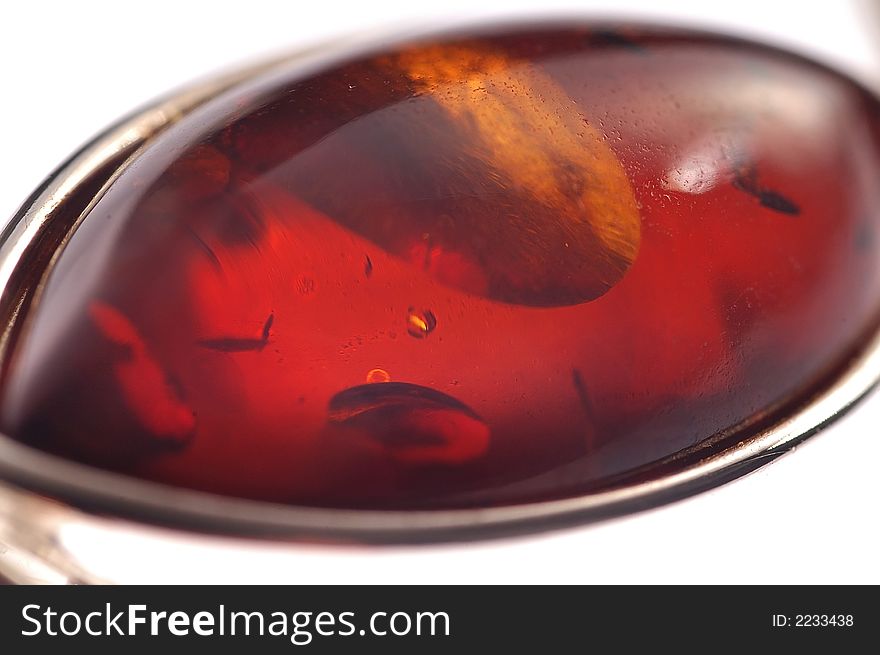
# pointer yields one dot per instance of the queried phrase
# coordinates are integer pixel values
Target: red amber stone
(478, 269)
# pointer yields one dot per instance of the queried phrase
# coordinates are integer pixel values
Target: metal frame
(40, 493)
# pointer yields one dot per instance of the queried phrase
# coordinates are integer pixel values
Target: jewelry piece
(448, 287)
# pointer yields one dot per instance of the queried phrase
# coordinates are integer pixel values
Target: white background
(68, 69)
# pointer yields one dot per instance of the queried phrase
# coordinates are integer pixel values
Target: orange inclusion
(524, 125)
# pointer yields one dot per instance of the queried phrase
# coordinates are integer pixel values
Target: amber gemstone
(478, 269)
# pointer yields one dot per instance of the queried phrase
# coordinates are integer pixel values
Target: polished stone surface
(478, 269)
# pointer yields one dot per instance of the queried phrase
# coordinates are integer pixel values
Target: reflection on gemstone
(377, 375)
(144, 385)
(704, 164)
(420, 324)
(416, 425)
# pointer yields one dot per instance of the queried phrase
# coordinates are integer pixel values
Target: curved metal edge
(29, 479)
